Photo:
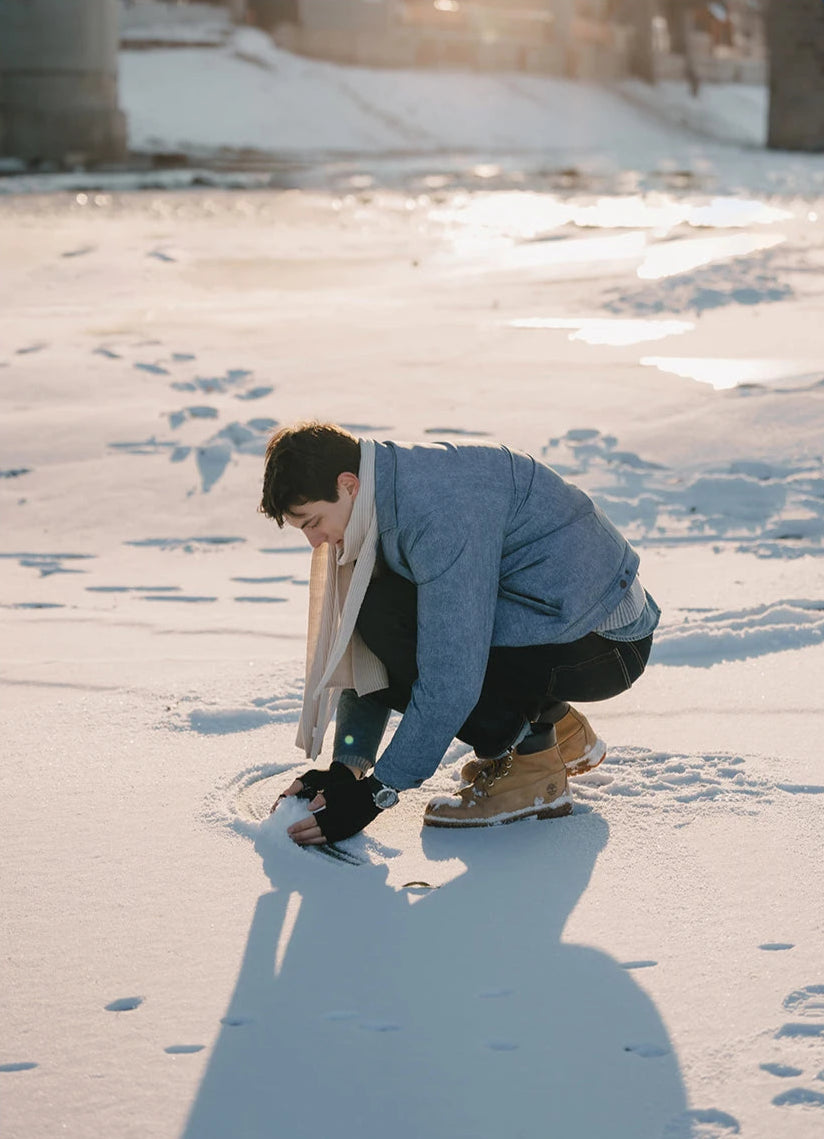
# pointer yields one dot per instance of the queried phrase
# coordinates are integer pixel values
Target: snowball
(289, 811)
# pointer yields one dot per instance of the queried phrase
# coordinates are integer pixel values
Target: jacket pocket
(549, 608)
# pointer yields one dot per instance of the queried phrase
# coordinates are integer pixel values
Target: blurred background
(67, 100)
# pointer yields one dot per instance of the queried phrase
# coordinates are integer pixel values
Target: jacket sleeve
(456, 567)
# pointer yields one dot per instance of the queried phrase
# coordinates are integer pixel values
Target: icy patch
(730, 372)
(530, 215)
(613, 331)
(671, 258)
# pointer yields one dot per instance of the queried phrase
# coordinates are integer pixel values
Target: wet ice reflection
(612, 331)
(673, 257)
(545, 255)
(724, 373)
(525, 214)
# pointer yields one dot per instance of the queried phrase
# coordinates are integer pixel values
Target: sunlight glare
(729, 373)
(616, 332)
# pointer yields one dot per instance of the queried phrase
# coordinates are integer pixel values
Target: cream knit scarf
(336, 656)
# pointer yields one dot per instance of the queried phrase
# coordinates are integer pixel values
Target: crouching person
(474, 590)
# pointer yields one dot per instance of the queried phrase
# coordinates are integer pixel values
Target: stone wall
(58, 82)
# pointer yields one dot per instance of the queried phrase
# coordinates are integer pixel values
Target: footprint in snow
(30, 348)
(808, 1001)
(777, 946)
(800, 1032)
(799, 1096)
(18, 1066)
(260, 600)
(783, 1071)
(638, 964)
(125, 1004)
(155, 369)
(458, 431)
(236, 1021)
(709, 1123)
(255, 393)
(183, 1049)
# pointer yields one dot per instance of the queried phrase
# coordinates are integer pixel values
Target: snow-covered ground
(651, 967)
(251, 94)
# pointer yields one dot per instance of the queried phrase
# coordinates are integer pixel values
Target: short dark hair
(302, 465)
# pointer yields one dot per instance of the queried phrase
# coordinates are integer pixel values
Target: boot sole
(557, 809)
(589, 760)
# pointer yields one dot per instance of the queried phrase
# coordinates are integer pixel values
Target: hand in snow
(341, 805)
(308, 785)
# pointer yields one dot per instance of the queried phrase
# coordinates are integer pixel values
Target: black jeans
(524, 683)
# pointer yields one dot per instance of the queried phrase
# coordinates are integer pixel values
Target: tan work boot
(581, 749)
(520, 785)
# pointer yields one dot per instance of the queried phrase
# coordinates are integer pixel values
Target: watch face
(386, 797)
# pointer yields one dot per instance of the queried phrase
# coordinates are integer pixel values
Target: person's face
(326, 521)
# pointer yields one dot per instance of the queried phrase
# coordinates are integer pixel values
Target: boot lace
(492, 771)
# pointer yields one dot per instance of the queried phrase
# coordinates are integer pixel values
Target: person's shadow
(461, 1015)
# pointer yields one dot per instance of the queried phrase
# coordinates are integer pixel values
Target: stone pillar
(58, 82)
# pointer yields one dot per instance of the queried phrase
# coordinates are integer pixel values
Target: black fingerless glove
(315, 780)
(350, 806)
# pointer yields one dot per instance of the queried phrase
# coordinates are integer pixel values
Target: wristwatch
(384, 797)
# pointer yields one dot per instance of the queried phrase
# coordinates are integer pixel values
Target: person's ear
(348, 482)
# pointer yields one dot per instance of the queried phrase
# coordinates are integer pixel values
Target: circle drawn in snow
(253, 793)
(808, 1001)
